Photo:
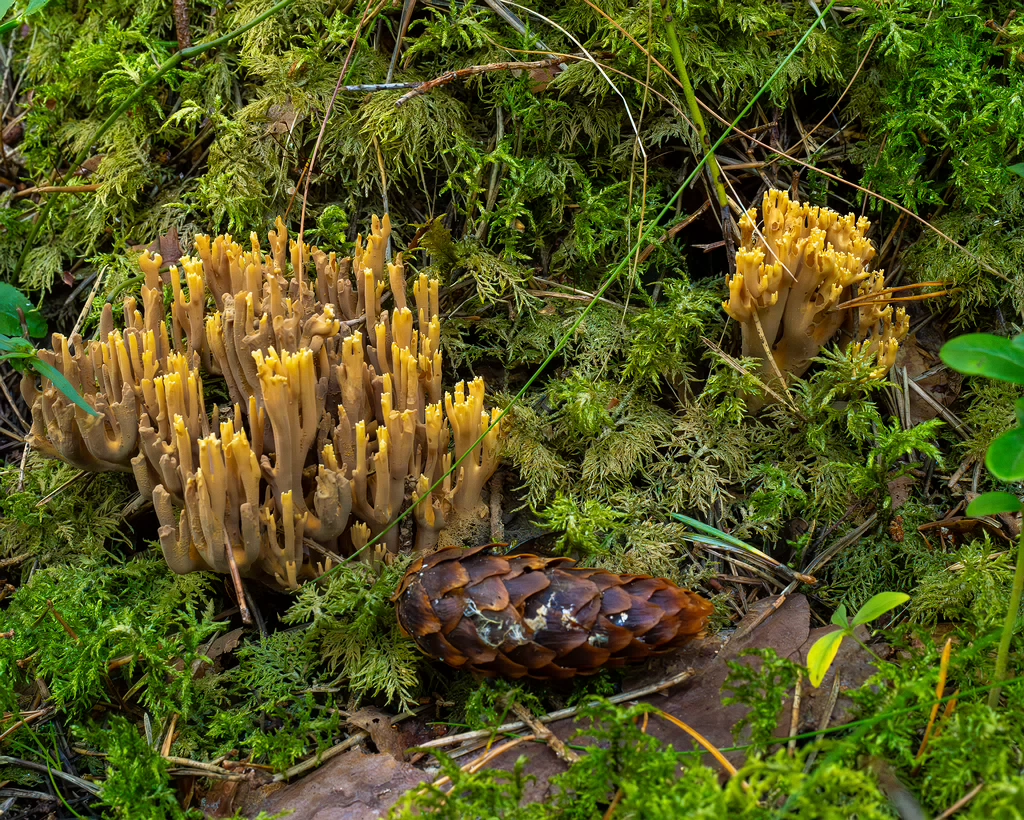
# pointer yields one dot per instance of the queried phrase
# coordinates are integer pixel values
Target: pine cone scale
(421, 619)
(485, 567)
(614, 601)
(438, 584)
(449, 612)
(523, 586)
(528, 616)
(489, 595)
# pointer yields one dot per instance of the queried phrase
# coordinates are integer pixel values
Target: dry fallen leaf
(282, 118)
(352, 786)
(378, 726)
(943, 386)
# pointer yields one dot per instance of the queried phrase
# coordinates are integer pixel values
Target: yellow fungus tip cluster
(794, 273)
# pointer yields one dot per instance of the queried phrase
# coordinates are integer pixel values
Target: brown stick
(14, 559)
(58, 189)
(544, 733)
(672, 232)
(497, 525)
(462, 73)
(236, 579)
(963, 801)
(62, 622)
(181, 26)
(622, 697)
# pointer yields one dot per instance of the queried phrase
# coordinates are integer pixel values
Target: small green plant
(18, 19)
(982, 354)
(762, 688)
(19, 319)
(137, 776)
(825, 649)
(587, 528)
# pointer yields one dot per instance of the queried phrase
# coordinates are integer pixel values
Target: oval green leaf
(982, 354)
(878, 605)
(1005, 456)
(820, 658)
(11, 299)
(994, 504)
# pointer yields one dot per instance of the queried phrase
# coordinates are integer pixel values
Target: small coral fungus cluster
(800, 278)
(332, 432)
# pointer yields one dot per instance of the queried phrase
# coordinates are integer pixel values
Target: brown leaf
(378, 726)
(542, 77)
(90, 166)
(221, 646)
(352, 786)
(900, 490)
(168, 246)
(282, 118)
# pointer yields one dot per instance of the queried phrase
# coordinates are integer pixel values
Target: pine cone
(527, 616)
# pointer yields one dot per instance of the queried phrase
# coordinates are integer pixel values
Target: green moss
(60, 513)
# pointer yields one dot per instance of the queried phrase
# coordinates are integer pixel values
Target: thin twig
(97, 283)
(850, 538)
(57, 189)
(21, 468)
(826, 717)
(556, 744)
(317, 760)
(195, 764)
(25, 721)
(12, 403)
(735, 365)
(46, 499)
(955, 423)
(181, 23)
(403, 27)
(352, 740)
(11, 435)
(794, 719)
(16, 559)
(883, 296)
(462, 73)
(840, 98)
(561, 714)
(39, 767)
(674, 231)
(959, 804)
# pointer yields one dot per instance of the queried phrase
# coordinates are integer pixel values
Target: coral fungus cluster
(331, 433)
(793, 278)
